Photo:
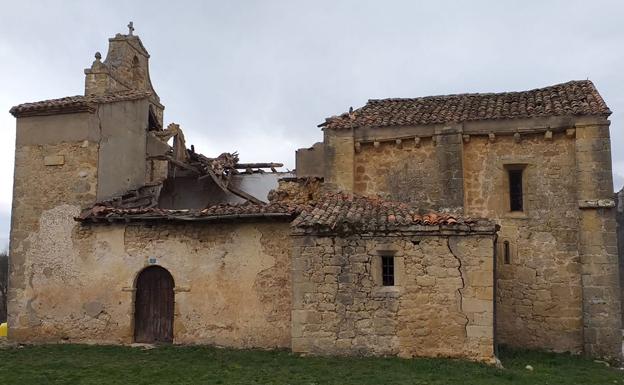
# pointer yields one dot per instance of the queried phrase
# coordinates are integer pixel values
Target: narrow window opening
(506, 253)
(515, 190)
(387, 270)
(152, 121)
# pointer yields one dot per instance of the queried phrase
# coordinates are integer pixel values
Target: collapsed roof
(311, 211)
(220, 169)
(331, 213)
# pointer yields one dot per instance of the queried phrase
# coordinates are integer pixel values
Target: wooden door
(153, 311)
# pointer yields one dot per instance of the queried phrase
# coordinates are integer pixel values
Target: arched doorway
(153, 306)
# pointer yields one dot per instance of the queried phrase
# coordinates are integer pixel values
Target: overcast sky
(258, 76)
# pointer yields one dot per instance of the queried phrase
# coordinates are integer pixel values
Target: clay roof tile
(571, 98)
(72, 104)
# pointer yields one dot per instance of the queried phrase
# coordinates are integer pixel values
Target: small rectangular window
(506, 253)
(387, 270)
(515, 190)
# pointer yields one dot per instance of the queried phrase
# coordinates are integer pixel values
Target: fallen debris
(179, 145)
(219, 169)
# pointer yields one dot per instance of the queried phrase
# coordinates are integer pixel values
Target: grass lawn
(81, 364)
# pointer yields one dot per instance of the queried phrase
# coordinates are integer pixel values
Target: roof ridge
(476, 94)
(76, 103)
(572, 98)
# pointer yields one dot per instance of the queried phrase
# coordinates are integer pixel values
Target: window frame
(388, 270)
(388, 249)
(516, 193)
(506, 252)
(521, 171)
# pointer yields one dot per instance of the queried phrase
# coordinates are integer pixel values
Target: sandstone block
(54, 160)
(480, 278)
(301, 345)
(474, 331)
(476, 305)
(426, 280)
(482, 319)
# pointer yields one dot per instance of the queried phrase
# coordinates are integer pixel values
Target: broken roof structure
(331, 212)
(221, 211)
(177, 174)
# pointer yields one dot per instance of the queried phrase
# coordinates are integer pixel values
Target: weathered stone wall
(76, 284)
(449, 153)
(310, 162)
(63, 163)
(425, 170)
(547, 284)
(297, 190)
(126, 67)
(441, 304)
(232, 281)
(121, 162)
(339, 163)
(598, 242)
(4, 285)
(393, 171)
(51, 183)
(540, 290)
(157, 170)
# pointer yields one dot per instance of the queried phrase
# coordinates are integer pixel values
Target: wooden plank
(183, 165)
(216, 179)
(245, 195)
(244, 166)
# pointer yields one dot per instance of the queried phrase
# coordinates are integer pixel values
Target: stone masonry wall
(232, 281)
(51, 183)
(441, 304)
(598, 242)
(297, 190)
(559, 289)
(393, 172)
(338, 150)
(539, 302)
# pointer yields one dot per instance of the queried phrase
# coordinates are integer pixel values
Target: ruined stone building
(435, 226)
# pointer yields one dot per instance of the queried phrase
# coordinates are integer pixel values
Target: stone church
(432, 226)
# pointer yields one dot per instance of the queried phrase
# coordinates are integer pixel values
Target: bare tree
(4, 285)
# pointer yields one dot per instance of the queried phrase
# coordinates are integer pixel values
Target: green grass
(81, 364)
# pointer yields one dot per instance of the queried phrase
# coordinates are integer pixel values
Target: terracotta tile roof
(345, 212)
(332, 213)
(571, 98)
(71, 104)
(221, 211)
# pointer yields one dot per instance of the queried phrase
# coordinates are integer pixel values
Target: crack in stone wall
(341, 307)
(461, 275)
